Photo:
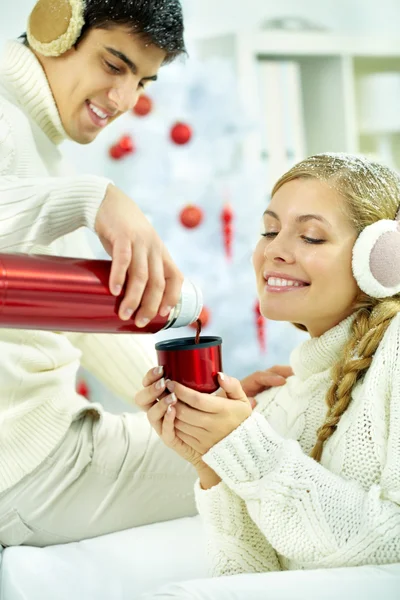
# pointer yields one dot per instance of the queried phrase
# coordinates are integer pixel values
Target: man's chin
(83, 138)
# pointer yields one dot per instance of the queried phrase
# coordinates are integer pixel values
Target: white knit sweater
(277, 508)
(41, 201)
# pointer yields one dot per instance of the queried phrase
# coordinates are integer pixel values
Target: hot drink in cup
(195, 365)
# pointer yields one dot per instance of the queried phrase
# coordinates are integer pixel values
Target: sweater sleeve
(309, 514)
(119, 361)
(37, 211)
(234, 542)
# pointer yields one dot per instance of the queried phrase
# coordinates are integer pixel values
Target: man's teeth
(98, 112)
(275, 282)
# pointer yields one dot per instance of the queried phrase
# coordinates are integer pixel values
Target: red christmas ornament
(116, 152)
(204, 318)
(143, 106)
(260, 327)
(191, 216)
(227, 229)
(83, 389)
(126, 144)
(181, 134)
(122, 148)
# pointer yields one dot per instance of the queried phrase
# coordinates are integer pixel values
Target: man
(69, 470)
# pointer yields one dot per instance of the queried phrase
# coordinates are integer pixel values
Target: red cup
(194, 365)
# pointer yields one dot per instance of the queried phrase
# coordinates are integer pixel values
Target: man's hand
(263, 380)
(138, 256)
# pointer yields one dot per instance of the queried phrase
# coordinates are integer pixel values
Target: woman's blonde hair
(371, 192)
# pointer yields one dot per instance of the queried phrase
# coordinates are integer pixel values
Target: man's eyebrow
(300, 218)
(128, 62)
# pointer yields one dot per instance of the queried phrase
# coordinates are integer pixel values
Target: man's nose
(124, 97)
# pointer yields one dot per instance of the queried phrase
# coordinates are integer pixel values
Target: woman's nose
(279, 250)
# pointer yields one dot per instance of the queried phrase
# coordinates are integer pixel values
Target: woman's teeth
(98, 112)
(275, 282)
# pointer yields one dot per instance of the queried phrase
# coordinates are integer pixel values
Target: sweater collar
(23, 77)
(319, 354)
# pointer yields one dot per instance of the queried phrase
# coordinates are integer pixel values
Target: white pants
(109, 473)
(368, 583)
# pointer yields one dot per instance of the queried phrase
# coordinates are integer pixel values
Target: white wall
(208, 17)
(211, 17)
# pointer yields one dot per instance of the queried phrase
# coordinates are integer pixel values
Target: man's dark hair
(159, 21)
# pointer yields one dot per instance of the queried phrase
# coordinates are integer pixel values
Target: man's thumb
(232, 387)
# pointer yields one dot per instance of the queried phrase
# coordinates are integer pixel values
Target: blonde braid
(369, 327)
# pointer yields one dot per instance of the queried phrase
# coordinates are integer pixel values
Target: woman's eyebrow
(300, 218)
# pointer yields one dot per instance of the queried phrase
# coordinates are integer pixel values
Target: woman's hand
(153, 389)
(161, 413)
(202, 420)
(264, 380)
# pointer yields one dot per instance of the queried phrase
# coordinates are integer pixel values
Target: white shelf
(316, 43)
(330, 67)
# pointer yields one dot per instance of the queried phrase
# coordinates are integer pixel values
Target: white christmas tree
(164, 177)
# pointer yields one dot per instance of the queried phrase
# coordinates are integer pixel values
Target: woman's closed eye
(305, 238)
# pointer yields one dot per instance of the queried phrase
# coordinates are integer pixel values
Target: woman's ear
(376, 259)
(55, 25)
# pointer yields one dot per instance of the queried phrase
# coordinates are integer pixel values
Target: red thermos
(71, 294)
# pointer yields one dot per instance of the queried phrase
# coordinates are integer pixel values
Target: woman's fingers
(154, 388)
(157, 412)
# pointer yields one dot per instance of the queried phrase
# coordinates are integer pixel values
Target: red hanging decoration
(227, 229)
(83, 389)
(116, 152)
(127, 145)
(181, 133)
(191, 216)
(143, 106)
(122, 148)
(261, 327)
(204, 317)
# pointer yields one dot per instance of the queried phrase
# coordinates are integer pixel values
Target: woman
(311, 477)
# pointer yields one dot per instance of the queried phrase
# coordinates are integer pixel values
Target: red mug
(194, 365)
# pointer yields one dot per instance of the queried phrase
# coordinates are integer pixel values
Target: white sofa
(125, 565)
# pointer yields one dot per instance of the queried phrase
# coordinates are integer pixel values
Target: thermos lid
(191, 304)
(3, 285)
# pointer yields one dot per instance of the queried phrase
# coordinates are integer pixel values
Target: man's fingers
(121, 259)
(154, 290)
(271, 379)
(172, 286)
(282, 370)
(138, 275)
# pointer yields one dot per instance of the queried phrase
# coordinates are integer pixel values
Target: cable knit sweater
(43, 209)
(276, 508)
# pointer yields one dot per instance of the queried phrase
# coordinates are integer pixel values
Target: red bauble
(191, 216)
(83, 389)
(116, 152)
(204, 318)
(143, 106)
(126, 143)
(181, 134)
